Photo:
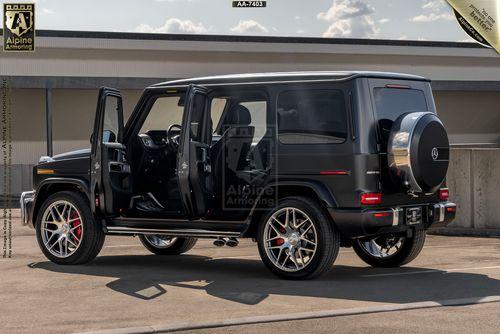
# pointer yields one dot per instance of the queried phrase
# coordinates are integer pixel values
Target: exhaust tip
(232, 242)
(219, 242)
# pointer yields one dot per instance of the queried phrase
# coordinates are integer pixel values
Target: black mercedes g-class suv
(303, 163)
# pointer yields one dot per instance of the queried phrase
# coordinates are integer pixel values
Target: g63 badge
(19, 27)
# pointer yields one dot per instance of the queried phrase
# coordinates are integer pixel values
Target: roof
(240, 38)
(289, 76)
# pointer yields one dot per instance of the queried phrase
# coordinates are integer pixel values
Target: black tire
(327, 245)
(409, 250)
(179, 246)
(92, 238)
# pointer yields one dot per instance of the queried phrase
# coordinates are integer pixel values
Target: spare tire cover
(418, 152)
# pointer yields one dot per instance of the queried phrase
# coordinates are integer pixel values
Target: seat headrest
(239, 115)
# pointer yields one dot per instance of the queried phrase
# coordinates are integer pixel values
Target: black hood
(83, 153)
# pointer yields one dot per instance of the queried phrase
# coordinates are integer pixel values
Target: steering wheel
(172, 138)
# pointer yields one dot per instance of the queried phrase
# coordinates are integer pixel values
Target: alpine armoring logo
(19, 27)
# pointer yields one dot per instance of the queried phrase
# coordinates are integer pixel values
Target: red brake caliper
(280, 241)
(78, 224)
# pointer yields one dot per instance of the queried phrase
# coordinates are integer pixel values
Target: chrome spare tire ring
(160, 240)
(379, 249)
(290, 239)
(61, 229)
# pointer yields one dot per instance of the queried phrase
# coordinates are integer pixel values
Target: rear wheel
(391, 250)
(66, 230)
(161, 244)
(297, 240)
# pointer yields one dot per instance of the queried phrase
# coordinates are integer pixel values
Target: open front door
(193, 163)
(109, 170)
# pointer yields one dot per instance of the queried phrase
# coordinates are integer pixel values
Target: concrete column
(48, 118)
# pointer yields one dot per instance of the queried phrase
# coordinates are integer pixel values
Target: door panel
(193, 163)
(110, 172)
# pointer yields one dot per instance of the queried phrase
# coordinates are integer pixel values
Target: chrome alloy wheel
(382, 247)
(160, 240)
(61, 229)
(290, 239)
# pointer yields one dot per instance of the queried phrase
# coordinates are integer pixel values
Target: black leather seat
(229, 155)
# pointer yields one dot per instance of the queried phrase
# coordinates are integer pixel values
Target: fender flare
(321, 190)
(56, 180)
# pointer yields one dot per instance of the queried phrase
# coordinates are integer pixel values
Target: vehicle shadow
(249, 282)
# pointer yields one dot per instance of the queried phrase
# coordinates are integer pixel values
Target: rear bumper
(26, 201)
(364, 222)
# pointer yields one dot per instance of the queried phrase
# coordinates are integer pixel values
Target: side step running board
(176, 232)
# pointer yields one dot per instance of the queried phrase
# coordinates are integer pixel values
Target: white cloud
(384, 20)
(249, 27)
(434, 4)
(432, 17)
(47, 11)
(349, 18)
(435, 10)
(174, 26)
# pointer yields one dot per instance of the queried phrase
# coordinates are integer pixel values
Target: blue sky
(386, 19)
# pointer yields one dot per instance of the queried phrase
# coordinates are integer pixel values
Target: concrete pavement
(127, 287)
(454, 320)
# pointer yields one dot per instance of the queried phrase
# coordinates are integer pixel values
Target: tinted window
(258, 114)
(164, 112)
(312, 117)
(390, 103)
(217, 108)
(197, 112)
(111, 125)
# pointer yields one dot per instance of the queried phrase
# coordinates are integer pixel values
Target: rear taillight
(382, 214)
(444, 193)
(371, 198)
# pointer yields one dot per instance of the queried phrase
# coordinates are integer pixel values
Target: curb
(183, 326)
(465, 232)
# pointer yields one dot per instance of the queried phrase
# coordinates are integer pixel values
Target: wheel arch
(53, 185)
(310, 189)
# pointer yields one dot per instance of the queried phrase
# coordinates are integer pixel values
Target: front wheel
(391, 250)
(161, 244)
(66, 230)
(297, 240)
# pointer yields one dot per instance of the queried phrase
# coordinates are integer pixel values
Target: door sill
(198, 228)
(177, 232)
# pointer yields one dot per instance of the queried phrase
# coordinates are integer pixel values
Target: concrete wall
(184, 58)
(74, 109)
(73, 117)
(474, 183)
(470, 117)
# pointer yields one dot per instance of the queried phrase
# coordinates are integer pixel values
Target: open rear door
(193, 163)
(109, 170)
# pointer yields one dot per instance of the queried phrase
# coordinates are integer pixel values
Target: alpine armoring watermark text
(6, 134)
